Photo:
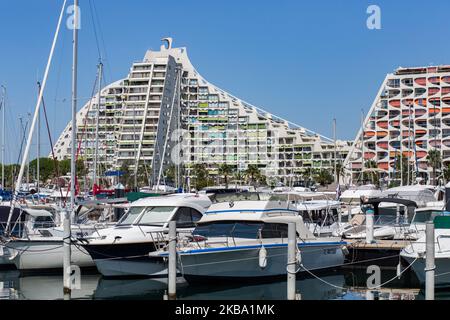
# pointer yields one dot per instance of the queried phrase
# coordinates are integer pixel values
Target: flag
(338, 191)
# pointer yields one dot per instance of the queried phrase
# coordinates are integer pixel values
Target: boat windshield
(424, 216)
(248, 196)
(131, 215)
(43, 222)
(156, 216)
(242, 229)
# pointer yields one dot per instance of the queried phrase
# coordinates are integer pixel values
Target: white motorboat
(415, 253)
(351, 198)
(124, 249)
(323, 217)
(244, 236)
(399, 214)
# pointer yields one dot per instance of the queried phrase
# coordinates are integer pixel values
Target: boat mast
(33, 124)
(3, 106)
(69, 213)
(100, 71)
(162, 157)
(38, 150)
(335, 155)
(362, 146)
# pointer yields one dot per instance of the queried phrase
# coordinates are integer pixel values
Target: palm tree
(339, 171)
(372, 175)
(252, 172)
(324, 177)
(200, 172)
(434, 158)
(446, 173)
(225, 170)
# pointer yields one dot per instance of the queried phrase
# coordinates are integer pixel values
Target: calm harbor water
(345, 284)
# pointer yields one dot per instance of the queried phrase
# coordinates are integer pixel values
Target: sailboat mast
(38, 149)
(74, 107)
(335, 154)
(33, 124)
(3, 135)
(68, 213)
(362, 146)
(100, 71)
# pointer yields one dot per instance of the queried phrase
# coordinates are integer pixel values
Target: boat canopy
(197, 201)
(411, 205)
(419, 194)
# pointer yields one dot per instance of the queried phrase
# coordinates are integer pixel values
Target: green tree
(435, 161)
(324, 177)
(371, 175)
(225, 170)
(47, 168)
(200, 175)
(446, 173)
(252, 173)
(339, 171)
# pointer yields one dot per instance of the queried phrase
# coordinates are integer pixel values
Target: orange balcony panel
(421, 102)
(383, 145)
(433, 91)
(394, 103)
(408, 154)
(369, 155)
(369, 134)
(421, 81)
(434, 110)
(382, 124)
(421, 154)
(407, 133)
(381, 134)
(434, 80)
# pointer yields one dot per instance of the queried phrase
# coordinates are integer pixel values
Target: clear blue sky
(307, 61)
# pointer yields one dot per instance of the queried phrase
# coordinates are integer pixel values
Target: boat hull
(442, 271)
(243, 263)
(127, 260)
(5, 258)
(46, 254)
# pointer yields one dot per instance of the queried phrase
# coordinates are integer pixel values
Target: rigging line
(84, 131)
(55, 161)
(95, 30)
(95, 12)
(58, 78)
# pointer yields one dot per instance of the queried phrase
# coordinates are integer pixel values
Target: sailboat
(46, 250)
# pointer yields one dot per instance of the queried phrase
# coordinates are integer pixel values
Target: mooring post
(429, 263)
(369, 226)
(292, 243)
(172, 260)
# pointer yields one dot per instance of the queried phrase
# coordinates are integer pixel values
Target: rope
(342, 288)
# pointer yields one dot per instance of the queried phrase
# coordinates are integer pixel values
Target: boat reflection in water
(309, 288)
(48, 287)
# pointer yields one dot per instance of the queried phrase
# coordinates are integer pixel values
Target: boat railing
(439, 237)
